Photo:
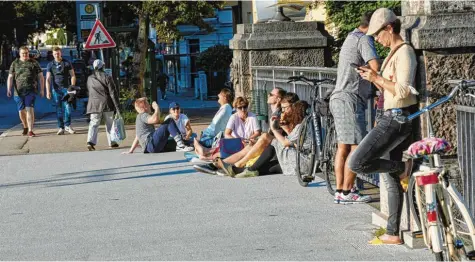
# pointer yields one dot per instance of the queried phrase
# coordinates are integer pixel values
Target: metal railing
(265, 78)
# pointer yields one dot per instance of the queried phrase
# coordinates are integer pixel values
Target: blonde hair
(141, 103)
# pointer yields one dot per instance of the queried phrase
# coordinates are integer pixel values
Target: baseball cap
(379, 19)
(173, 105)
(98, 64)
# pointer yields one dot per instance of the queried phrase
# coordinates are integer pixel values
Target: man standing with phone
(348, 103)
(26, 77)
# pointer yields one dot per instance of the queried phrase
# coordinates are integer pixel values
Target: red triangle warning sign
(99, 37)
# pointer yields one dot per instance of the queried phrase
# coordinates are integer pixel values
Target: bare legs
(256, 150)
(27, 117)
(345, 178)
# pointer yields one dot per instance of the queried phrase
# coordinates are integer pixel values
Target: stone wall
(440, 67)
(301, 44)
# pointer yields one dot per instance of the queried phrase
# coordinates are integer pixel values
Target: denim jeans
(63, 120)
(160, 136)
(388, 136)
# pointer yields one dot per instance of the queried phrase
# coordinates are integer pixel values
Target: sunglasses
(284, 108)
(271, 95)
(176, 108)
(243, 108)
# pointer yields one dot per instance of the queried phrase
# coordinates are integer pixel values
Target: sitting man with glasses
(182, 122)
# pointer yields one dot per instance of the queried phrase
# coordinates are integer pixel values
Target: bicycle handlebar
(304, 79)
(462, 85)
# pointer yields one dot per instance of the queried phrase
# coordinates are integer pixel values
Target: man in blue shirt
(59, 71)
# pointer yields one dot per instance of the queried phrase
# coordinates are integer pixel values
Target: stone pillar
(443, 34)
(276, 44)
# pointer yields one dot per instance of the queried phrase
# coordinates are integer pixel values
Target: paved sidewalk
(13, 143)
(106, 206)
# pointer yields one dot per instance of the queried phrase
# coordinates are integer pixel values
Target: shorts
(350, 121)
(27, 100)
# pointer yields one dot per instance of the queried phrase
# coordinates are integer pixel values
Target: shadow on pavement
(120, 168)
(96, 177)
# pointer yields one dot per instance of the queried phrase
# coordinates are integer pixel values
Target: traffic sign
(99, 37)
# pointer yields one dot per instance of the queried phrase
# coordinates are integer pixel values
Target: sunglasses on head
(242, 107)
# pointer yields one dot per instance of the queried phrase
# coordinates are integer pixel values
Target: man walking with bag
(59, 71)
(103, 101)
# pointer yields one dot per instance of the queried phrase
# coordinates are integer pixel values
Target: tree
(165, 16)
(345, 16)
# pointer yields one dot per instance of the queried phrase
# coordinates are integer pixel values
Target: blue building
(180, 58)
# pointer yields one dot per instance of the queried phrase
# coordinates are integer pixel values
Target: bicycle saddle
(428, 146)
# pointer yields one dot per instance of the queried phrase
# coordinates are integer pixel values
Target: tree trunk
(139, 56)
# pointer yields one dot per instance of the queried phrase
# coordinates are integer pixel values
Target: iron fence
(265, 78)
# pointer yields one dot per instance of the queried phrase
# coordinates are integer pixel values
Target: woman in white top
(182, 122)
(243, 124)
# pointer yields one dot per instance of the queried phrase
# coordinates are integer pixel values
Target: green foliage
(215, 58)
(345, 15)
(167, 15)
(129, 117)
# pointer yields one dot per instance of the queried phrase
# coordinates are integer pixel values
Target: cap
(98, 64)
(380, 18)
(173, 105)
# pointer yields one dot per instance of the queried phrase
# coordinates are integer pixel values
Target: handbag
(229, 146)
(118, 129)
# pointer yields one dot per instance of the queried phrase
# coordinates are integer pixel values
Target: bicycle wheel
(329, 152)
(304, 152)
(461, 228)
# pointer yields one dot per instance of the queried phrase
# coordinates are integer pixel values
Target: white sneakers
(70, 130)
(67, 129)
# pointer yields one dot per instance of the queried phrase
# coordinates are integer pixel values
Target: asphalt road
(106, 206)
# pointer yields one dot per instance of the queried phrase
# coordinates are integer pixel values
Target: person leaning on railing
(397, 79)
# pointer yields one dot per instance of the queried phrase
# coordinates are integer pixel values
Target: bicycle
(321, 155)
(440, 211)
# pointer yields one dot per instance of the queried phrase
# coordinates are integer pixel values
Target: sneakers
(25, 131)
(353, 198)
(90, 146)
(338, 198)
(247, 173)
(69, 130)
(184, 148)
(207, 169)
(60, 132)
(31, 134)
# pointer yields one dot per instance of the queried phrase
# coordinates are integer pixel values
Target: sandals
(227, 168)
(379, 241)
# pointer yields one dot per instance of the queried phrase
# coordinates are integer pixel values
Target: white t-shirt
(243, 129)
(180, 123)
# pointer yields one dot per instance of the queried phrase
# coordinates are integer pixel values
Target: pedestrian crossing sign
(99, 37)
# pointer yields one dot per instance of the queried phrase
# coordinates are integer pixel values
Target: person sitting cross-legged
(155, 140)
